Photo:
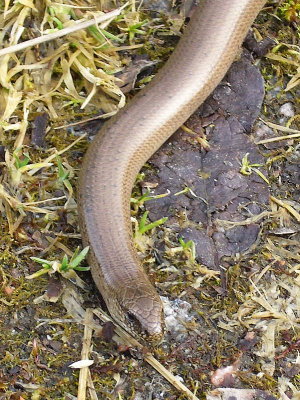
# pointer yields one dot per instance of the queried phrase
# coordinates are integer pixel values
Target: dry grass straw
(129, 340)
(73, 304)
(295, 134)
(30, 80)
(86, 345)
(53, 78)
(287, 206)
(79, 72)
(78, 25)
(287, 54)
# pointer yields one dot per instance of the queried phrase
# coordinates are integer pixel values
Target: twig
(279, 127)
(76, 27)
(278, 138)
(148, 357)
(232, 224)
(91, 387)
(295, 132)
(84, 121)
(86, 345)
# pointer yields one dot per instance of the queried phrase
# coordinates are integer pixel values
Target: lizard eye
(134, 324)
(131, 318)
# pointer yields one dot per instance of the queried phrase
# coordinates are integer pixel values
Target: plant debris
(227, 257)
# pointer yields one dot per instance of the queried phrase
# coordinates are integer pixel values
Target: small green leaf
(82, 268)
(58, 23)
(145, 197)
(62, 174)
(143, 221)
(190, 245)
(144, 228)
(37, 274)
(261, 175)
(75, 261)
(64, 263)
(42, 261)
(19, 164)
(64, 267)
(246, 168)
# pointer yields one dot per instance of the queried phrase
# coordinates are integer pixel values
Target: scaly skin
(127, 141)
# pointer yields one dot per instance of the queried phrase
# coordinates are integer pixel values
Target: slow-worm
(199, 62)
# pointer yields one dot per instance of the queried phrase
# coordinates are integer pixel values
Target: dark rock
(218, 191)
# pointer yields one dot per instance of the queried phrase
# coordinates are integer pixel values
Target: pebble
(176, 314)
(287, 110)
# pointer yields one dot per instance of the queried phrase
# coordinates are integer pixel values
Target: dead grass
(70, 79)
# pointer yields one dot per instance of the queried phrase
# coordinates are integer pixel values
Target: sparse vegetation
(71, 80)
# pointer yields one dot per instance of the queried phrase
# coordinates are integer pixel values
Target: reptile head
(141, 314)
(146, 319)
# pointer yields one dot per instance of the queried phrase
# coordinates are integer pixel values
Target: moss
(30, 329)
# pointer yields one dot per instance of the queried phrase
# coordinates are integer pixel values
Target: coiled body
(128, 140)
